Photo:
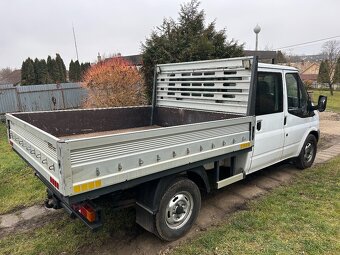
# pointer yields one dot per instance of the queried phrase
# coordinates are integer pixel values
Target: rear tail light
(54, 182)
(86, 211)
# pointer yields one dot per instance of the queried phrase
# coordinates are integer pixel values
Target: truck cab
(284, 117)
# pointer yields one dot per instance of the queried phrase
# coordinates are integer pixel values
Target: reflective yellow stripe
(87, 186)
(98, 183)
(245, 145)
(76, 188)
(84, 187)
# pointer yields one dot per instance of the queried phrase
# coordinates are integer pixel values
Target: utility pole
(75, 42)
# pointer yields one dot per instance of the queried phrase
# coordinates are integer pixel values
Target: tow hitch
(86, 211)
(52, 201)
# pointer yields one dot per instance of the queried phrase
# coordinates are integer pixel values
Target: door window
(296, 95)
(269, 94)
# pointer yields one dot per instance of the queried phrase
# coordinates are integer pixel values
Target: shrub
(114, 82)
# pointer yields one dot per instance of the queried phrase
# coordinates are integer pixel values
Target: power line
(310, 42)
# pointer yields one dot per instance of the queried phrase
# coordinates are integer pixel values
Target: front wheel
(178, 209)
(308, 153)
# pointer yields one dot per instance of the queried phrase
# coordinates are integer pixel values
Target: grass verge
(62, 235)
(333, 102)
(19, 187)
(301, 218)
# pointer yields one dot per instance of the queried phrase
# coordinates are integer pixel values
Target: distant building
(12, 78)
(309, 71)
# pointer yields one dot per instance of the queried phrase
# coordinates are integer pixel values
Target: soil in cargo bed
(110, 132)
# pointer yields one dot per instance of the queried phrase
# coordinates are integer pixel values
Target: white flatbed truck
(211, 123)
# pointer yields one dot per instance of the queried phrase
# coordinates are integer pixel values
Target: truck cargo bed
(110, 132)
(200, 110)
(88, 149)
(72, 123)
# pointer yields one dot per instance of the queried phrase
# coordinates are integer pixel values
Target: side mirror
(322, 103)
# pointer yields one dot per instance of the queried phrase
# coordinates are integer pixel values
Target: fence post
(62, 96)
(17, 94)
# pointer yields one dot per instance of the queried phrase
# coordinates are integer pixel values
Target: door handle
(285, 120)
(259, 125)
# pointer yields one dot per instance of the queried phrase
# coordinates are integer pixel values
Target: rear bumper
(63, 202)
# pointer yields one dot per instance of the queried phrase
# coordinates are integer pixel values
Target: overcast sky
(37, 28)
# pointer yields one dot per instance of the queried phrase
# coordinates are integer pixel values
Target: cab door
(269, 133)
(297, 116)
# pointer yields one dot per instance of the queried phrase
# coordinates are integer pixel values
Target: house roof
(12, 78)
(134, 59)
(310, 77)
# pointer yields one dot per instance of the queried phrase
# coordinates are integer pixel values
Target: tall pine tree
(71, 71)
(23, 72)
(55, 71)
(77, 71)
(41, 72)
(323, 72)
(61, 69)
(50, 69)
(28, 76)
(83, 68)
(187, 39)
(37, 71)
(337, 72)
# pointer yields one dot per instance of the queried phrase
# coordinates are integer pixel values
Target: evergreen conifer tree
(24, 72)
(337, 72)
(37, 71)
(186, 39)
(61, 69)
(84, 67)
(323, 72)
(77, 71)
(41, 72)
(27, 72)
(71, 71)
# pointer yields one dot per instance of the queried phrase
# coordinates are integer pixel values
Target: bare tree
(331, 50)
(4, 73)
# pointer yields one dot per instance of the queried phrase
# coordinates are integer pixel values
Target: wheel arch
(150, 194)
(313, 131)
(316, 133)
(200, 178)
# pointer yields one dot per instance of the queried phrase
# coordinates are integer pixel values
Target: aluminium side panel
(113, 159)
(37, 147)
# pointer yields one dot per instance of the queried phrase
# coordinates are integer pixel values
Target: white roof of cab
(280, 67)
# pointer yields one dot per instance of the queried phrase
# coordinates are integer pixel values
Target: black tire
(308, 153)
(184, 194)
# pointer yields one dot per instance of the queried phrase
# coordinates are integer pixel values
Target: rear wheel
(308, 153)
(178, 209)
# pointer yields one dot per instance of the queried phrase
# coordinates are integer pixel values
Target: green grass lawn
(62, 235)
(333, 102)
(19, 187)
(301, 218)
